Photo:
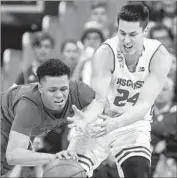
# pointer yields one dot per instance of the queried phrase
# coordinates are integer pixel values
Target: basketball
(64, 169)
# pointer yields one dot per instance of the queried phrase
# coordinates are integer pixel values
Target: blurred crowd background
(34, 31)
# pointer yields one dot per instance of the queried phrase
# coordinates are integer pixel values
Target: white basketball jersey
(125, 86)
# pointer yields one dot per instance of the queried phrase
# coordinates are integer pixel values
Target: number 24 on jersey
(122, 100)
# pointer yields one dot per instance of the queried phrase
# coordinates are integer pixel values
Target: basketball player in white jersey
(129, 71)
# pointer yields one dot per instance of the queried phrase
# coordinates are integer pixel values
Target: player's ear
(145, 31)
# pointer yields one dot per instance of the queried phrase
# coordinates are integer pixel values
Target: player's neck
(133, 58)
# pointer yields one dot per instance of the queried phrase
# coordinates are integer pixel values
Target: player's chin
(130, 51)
(58, 107)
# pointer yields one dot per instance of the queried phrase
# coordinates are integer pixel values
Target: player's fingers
(96, 123)
(77, 111)
(66, 155)
(103, 124)
(59, 155)
(63, 155)
(104, 117)
(73, 154)
(71, 126)
(100, 134)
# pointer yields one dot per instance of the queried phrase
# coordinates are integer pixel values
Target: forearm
(16, 171)
(73, 143)
(134, 114)
(91, 112)
(75, 138)
(77, 71)
(23, 157)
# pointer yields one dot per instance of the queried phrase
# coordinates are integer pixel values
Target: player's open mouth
(128, 47)
(59, 102)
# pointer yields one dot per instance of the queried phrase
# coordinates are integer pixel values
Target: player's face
(43, 51)
(130, 36)
(71, 54)
(55, 91)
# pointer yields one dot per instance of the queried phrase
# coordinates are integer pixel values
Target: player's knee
(136, 167)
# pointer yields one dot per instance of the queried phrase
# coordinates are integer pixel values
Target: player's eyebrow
(122, 31)
(64, 87)
(134, 32)
(57, 87)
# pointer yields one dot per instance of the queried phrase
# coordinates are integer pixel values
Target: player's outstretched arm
(27, 116)
(17, 153)
(103, 64)
(159, 68)
(102, 68)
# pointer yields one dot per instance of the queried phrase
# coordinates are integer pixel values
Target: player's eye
(122, 33)
(52, 90)
(63, 89)
(133, 34)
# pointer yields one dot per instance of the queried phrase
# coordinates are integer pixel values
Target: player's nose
(126, 40)
(58, 94)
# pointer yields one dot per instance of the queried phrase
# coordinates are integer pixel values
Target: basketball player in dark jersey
(35, 109)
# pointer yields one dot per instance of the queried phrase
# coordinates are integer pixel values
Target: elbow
(11, 160)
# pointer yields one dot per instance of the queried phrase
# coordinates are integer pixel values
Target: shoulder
(27, 106)
(81, 93)
(104, 59)
(151, 42)
(104, 49)
(162, 51)
(79, 86)
(162, 54)
(161, 59)
(27, 115)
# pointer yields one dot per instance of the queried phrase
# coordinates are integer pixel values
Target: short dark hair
(66, 42)
(52, 67)
(40, 36)
(134, 12)
(159, 27)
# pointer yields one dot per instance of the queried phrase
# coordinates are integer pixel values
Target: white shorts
(122, 144)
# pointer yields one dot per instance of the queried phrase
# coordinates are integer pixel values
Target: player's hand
(67, 154)
(104, 125)
(77, 120)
